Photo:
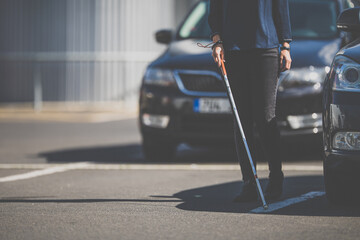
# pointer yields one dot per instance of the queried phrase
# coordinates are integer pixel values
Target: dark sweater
(247, 24)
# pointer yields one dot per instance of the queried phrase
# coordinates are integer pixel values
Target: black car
(183, 99)
(341, 116)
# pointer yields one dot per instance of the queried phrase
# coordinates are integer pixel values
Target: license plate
(212, 105)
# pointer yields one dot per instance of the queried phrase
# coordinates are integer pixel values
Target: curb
(67, 112)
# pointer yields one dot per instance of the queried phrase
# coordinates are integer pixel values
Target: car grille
(201, 83)
(206, 124)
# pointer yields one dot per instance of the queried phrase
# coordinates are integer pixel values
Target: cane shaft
(234, 108)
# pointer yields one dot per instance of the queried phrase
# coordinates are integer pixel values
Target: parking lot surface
(71, 180)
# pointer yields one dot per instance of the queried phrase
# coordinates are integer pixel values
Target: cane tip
(266, 207)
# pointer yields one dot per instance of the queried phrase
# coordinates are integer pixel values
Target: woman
(248, 34)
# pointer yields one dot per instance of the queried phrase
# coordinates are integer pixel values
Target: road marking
(46, 171)
(291, 201)
(154, 166)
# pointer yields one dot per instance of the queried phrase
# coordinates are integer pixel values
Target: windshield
(309, 19)
(313, 18)
(196, 25)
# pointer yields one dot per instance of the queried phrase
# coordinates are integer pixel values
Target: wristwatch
(285, 48)
(214, 45)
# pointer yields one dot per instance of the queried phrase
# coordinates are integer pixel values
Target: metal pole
(232, 101)
(37, 89)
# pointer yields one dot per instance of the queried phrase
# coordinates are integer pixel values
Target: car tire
(337, 187)
(332, 188)
(158, 149)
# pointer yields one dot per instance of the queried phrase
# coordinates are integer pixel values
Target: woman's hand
(218, 54)
(285, 55)
(218, 51)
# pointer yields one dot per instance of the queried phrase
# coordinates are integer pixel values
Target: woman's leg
(265, 73)
(237, 67)
(237, 64)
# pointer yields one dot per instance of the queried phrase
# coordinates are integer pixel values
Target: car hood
(317, 53)
(186, 54)
(352, 50)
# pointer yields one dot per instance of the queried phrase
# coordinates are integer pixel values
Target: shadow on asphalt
(132, 153)
(218, 198)
(108, 154)
(95, 200)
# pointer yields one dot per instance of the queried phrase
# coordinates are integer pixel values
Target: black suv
(183, 99)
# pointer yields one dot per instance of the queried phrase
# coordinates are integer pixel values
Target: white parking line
(151, 166)
(46, 171)
(291, 201)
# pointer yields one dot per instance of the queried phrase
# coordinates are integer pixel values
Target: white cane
(233, 105)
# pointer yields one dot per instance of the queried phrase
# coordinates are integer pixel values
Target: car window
(309, 19)
(313, 18)
(348, 4)
(196, 25)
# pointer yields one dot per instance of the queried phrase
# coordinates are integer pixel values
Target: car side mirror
(349, 20)
(163, 36)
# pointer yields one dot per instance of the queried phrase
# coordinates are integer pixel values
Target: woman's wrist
(285, 46)
(216, 38)
(218, 43)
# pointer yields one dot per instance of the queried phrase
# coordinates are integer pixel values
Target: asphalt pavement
(89, 180)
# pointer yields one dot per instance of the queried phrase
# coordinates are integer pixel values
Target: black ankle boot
(248, 193)
(275, 187)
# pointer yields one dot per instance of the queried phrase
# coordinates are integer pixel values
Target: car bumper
(185, 125)
(299, 112)
(344, 162)
(342, 115)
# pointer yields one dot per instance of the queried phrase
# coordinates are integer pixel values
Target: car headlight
(302, 77)
(347, 141)
(346, 75)
(160, 77)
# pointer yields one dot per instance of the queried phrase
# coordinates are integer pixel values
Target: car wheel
(158, 149)
(337, 187)
(332, 188)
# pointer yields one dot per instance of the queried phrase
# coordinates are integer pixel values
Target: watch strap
(284, 48)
